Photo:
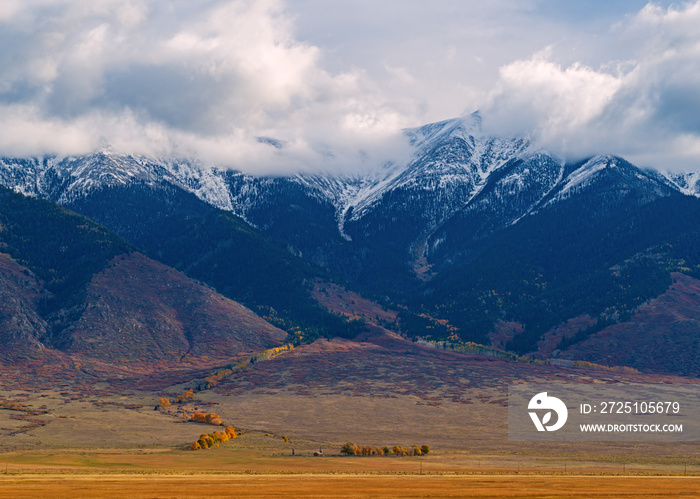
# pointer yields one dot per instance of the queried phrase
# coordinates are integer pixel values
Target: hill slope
(470, 234)
(140, 310)
(72, 286)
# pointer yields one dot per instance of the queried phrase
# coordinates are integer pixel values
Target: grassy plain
(318, 486)
(103, 438)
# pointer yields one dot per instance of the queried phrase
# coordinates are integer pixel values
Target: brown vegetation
(382, 486)
(186, 396)
(207, 440)
(214, 378)
(350, 449)
(201, 417)
(339, 300)
(130, 313)
(662, 335)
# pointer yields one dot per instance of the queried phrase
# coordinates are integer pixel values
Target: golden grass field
(104, 439)
(319, 486)
(259, 465)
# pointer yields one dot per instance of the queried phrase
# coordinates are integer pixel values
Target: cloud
(203, 79)
(335, 82)
(641, 101)
(542, 96)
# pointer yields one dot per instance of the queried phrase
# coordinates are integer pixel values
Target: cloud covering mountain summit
(208, 80)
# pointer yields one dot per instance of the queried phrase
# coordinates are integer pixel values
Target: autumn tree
(208, 440)
(186, 396)
(213, 419)
(198, 417)
(348, 449)
(212, 381)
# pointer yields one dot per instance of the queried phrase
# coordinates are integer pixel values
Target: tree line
(350, 449)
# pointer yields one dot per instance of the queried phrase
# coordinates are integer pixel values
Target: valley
(379, 390)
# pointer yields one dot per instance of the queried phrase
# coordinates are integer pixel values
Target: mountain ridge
(473, 230)
(436, 163)
(71, 287)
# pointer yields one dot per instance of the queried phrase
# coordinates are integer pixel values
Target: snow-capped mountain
(460, 185)
(476, 230)
(65, 180)
(688, 183)
(540, 182)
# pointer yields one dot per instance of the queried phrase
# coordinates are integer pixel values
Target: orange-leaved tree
(186, 396)
(348, 449)
(198, 417)
(213, 419)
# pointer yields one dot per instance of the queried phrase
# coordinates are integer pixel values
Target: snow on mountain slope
(583, 175)
(451, 162)
(508, 194)
(610, 171)
(454, 168)
(687, 183)
(64, 180)
(448, 154)
(23, 175)
(208, 184)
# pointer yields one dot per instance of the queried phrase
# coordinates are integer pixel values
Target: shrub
(198, 417)
(207, 440)
(213, 419)
(221, 436)
(186, 396)
(348, 449)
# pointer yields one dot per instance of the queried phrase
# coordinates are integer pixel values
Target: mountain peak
(462, 127)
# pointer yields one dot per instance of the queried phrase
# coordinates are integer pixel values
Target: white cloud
(202, 79)
(641, 101)
(543, 97)
(336, 81)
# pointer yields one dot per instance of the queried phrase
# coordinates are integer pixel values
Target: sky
(335, 82)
